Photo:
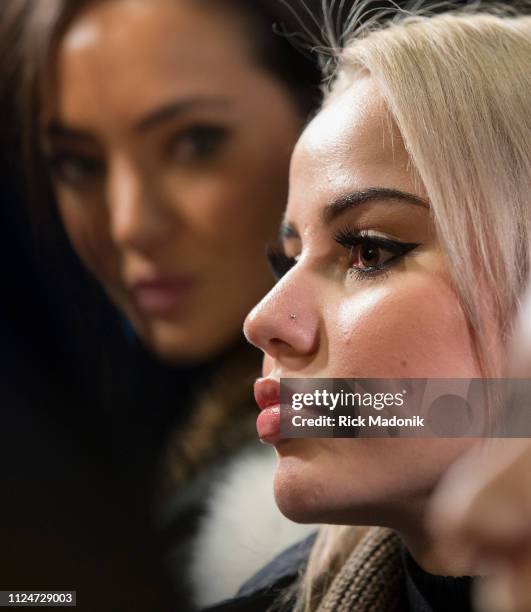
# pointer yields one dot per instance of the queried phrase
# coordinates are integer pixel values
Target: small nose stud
(293, 316)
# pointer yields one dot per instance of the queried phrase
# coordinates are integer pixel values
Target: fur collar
(242, 528)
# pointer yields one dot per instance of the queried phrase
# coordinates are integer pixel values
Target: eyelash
(280, 263)
(351, 240)
(73, 168)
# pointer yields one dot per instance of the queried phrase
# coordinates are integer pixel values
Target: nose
(139, 218)
(286, 322)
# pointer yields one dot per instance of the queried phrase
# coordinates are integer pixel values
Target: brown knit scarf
(371, 578)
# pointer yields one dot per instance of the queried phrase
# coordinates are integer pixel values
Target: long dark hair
(33, 31)
(37, 28)
(30, 34)
(40, 27)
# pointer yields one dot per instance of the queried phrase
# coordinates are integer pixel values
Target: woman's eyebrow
(56, 130)
(371, 194)
(175, 108)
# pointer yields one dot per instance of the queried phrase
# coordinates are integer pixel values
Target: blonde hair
(458, 86)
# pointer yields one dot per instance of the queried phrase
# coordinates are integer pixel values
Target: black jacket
(260, 592)
(423, 592)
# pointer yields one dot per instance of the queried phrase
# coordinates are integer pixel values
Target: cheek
(366, 481)
(88, 234)
(237, 208)
(416, 329)
(234, 212)
(237, 203)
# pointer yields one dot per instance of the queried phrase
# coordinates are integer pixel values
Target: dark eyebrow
(371, 194)
(57, 129)
(174, 109)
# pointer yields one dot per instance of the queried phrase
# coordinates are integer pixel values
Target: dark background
(79, 430)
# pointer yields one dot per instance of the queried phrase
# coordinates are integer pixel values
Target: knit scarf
(371, 579)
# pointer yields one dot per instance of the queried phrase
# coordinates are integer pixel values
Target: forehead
(353, 143)
(152, 48)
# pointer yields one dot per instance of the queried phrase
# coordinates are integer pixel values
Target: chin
(299, 493)
(305, 497)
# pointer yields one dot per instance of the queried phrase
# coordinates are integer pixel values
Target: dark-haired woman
(159, 134)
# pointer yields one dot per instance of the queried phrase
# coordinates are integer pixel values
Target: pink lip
(267, 396)
(160, 295)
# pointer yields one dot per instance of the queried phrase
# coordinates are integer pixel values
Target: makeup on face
(267, 396)
(364, 256)
(370, 250)
(170, 179)
(361, 269)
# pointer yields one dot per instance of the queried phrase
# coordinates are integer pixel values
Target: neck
(438, 554)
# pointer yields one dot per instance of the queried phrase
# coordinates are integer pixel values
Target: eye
(75, 169)
(279, 262)
(197, 143)
(371, 254)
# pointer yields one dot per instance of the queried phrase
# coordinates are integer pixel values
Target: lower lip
(268, 424)
(163, 299)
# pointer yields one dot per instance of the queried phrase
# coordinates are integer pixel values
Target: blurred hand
(485, 502)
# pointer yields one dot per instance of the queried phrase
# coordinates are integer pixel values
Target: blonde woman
(405, 247)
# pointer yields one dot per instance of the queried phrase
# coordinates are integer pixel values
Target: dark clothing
(423, 592)
(261, 591)
(428, 593)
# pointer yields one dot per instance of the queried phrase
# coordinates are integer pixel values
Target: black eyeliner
(350, 239)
